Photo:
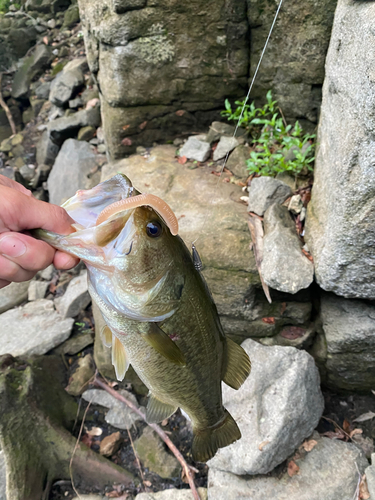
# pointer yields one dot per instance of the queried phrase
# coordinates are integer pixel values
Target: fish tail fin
(206, 442)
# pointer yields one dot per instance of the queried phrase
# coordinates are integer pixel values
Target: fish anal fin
(206, 442)
(157, 411)
(163, 344)
(237, 365)
(106, 336)
(119, 358)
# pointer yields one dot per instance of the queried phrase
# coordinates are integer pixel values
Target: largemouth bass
(159, 313)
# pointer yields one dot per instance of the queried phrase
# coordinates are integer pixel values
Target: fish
(159, 313)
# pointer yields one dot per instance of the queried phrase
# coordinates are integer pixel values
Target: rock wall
(341, 216)
(165, 68)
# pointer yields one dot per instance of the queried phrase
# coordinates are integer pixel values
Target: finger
(63, 260)
(10, 271)
(4, 283)
(31, 213)
(4, 181)
(27, 252)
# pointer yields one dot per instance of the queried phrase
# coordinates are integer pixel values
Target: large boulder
(340, 225)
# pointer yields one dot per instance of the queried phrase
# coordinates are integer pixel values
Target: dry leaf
(164, 422)
(283, 307)
(262, 445)
(182, 160)
(337, 434)
(292, 332)
(95, 431)
(110, 444)
(307, 254)
(143, 125)
(309, 445)
(293, 468)
(364, 417)
(45, 40)
(125, 127)
(87, 440)
(346, 426)
(126, 142)
(180, 112)
(269, 321)
(92, 103)
(355, 431)
(363, 489)
(147, 483)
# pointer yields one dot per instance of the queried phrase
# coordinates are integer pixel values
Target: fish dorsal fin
(106, 336)
(119, 358)
(163, 344)
(237, 365)
(157, 411)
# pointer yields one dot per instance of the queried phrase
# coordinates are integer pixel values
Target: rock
(65, 85)
(3, 479)
(110, 444)
(47, 273)
(264, 192)
(276, 423)
(68, 126)
(340, 229)
(27, 115)
(370, 478)
(194, 149)
(327, 472)
(21, 40)
(76, 103)
(153, 455)
(102, 148)
(13, 295)
(86, 133)
(295, 205)
(84, 372)
(119, 415)
(75, 344)
(237, 161)
(75, 299)
(217, 129)
(46, 150)
(31, 66)
(16, 139)
(349, 327)
(34, 328)
(42, 92)
(69, 173)
(71, 16)
(293, 336)
(225, 146)
(78, 63)
(172, 494)
(37, 290)
(284, 266)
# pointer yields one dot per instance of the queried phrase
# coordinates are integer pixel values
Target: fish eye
(154, 229)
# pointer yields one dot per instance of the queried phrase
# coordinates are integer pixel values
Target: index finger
(4, 181)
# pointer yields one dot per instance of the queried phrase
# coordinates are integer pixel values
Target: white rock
(47, 273)
(75, 298)
(194, 149)
(265, 191)
(172, 494)
(295, 205)
(34, 328)
(225, 145)
(37, 290)
(119, 415)
(12, 295)
(278, 406)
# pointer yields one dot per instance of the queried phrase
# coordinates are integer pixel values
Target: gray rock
(194, 149)
(31, 66)
(237, 161)
(65, 85)
(172, 494)
(37, 290)
(119, 415)
(47, 273)
(76, 103)
(13, 295)
(75, 299)
(340, 222)
(152, 454)
(349, 327)
(69, 173)
(370, 478)
(225, 146)
(68, 126)
(327, 472)
(42, 92)
(264, 192)
(46, 150)
(284, 266)
(34, 328)
(83, 373)
(3, 479)
(278, 406)
(295, 205)
(78, 63)
(217, 129)
(76, 344)
(86, 133)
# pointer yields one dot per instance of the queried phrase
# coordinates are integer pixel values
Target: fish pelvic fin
(206, 442)
(157, 411)
(119, 358)
(237, 365)
(163, 344)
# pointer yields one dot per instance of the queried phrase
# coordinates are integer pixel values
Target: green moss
(59, 67)
(156, 48)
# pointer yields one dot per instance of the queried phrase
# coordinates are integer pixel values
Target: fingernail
(11, 246)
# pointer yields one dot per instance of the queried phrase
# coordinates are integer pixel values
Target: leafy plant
(4, 6)
(277, 147)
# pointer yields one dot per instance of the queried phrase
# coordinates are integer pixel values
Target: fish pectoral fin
(157, 411)
(237, 365)
(106, 336)
(165, 346)
(119, 358)
(207, 441)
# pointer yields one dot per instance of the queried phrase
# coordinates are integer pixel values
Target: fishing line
(243, 107)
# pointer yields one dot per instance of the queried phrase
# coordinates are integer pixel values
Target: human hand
(22, 256)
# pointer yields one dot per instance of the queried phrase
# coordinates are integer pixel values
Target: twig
(137, 460)
(4, 105)
(187, 468)
(338, 427)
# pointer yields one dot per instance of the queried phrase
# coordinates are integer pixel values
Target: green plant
(277, 147)
(4, 6)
